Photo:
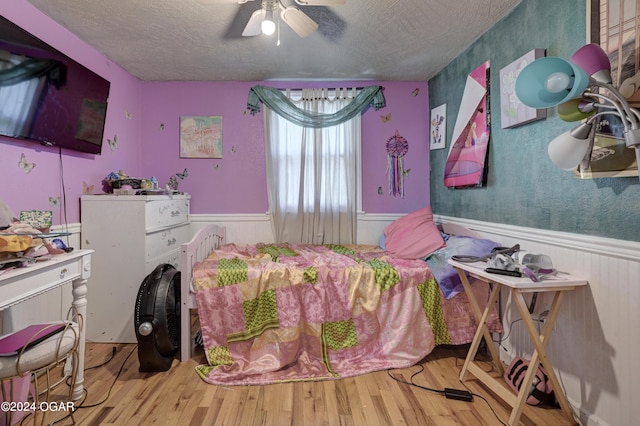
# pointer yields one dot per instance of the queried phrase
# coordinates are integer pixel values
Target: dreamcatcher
(397, 147)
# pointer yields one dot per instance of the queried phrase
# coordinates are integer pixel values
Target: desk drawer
(165, 241)
(165, 213)
(15, 289)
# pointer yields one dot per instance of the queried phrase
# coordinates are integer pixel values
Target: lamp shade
(567, 151)
(575, 110)
(550, 81)
(594, 61)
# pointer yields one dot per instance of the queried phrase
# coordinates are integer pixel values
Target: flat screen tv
(47, 97)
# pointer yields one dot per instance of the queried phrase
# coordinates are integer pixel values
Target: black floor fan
(157, 319)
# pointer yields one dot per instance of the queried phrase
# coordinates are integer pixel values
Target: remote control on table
(503, 272)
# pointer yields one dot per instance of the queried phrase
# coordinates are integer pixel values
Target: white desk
(518, 286)
(21, 284)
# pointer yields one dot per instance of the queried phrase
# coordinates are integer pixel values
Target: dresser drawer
(162, 242)
(172, 258)
(164, 213)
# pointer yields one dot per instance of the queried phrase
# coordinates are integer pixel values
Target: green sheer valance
(34, 68)
(280, 104)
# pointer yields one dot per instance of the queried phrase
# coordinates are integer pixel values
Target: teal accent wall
(523, 187)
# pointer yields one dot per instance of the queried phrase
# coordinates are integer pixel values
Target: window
(313, 174)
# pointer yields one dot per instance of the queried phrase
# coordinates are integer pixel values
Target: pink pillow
(413, 236)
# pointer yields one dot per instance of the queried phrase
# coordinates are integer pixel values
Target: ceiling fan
(263, 20)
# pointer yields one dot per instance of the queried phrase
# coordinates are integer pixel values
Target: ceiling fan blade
(209, 2)
(321, 2)
(298, 21)
(253, 27)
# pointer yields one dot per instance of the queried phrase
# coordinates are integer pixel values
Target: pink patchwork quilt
(287, 312)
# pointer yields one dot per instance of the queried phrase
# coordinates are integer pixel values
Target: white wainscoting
(256, 228)
(595, 343)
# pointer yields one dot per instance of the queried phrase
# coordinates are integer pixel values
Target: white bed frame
(207, 239)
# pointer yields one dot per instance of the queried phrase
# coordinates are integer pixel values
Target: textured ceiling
(163, 40)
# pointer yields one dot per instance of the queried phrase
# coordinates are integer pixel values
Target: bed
(274, 313)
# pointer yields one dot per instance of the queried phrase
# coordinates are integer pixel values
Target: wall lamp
(582, 90)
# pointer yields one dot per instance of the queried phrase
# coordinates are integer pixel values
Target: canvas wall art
(438, 127)
(201, 137)
(513, 112)
(466, 161)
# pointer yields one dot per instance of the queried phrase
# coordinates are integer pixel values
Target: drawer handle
(175, 213)
(171, 241)
(63, 272)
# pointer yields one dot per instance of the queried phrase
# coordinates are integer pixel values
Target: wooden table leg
(539, 355)
(482, 330)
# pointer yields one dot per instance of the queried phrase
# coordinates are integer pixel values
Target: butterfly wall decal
(113, 143)
(128, 115)
(385, 118)
(183, 174)
(415, 92)
(54, 201)
(26, 167)
(87, 189)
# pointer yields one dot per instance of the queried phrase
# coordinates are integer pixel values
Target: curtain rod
(327, 88)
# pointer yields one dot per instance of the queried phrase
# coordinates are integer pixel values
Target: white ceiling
(199, 40)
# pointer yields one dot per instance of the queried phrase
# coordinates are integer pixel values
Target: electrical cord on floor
(487, 402)
(86, 392)
(449, 393)
(110, 387)
(411, 383)
(113, 354)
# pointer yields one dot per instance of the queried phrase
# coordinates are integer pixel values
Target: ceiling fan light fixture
(268, 26)
(298, 21)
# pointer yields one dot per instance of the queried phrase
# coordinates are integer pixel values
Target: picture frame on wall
(612, 25)
(514, 113)
(466, 165)
(438, 134)
(200, 137)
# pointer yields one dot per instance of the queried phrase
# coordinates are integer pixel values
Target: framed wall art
(438, 127)
(201, 137)
(466, 160)
(513, 112)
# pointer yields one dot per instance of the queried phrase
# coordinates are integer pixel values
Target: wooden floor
(117, 394)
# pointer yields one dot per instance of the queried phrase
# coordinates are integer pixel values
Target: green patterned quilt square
(219, 355)
(385, 275)
(275, 251)
(340, 249)
(432, 305)
(232, 271)
(260, 314)
(340, 334)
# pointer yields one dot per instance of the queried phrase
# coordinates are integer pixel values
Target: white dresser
(131, 235)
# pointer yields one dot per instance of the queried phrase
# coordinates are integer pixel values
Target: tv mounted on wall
(47, 97)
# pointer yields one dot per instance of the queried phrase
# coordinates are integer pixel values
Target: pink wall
(39, 189)
(236, 183)
(144, 119)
